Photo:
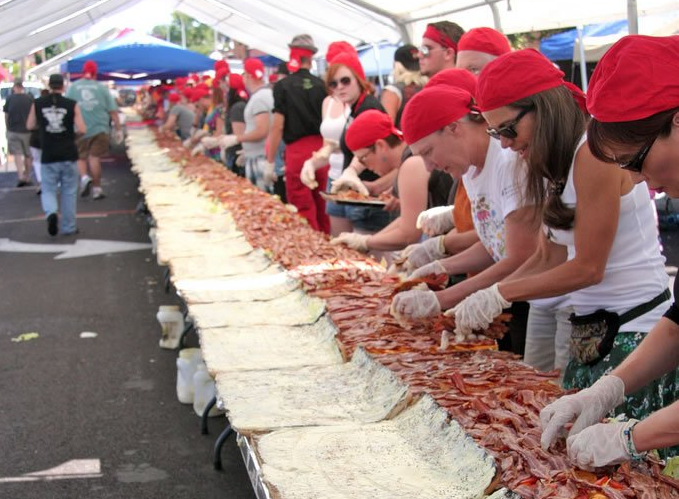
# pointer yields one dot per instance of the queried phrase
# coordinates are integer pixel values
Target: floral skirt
(638, 405)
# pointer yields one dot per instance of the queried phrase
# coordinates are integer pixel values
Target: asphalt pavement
(94, 416)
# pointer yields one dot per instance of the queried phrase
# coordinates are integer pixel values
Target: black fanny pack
(593, 334)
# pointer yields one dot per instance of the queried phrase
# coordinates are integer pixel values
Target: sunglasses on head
(637, 162)
(508, 130)
(344, 81)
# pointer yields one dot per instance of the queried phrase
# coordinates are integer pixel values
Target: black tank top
(55, 115)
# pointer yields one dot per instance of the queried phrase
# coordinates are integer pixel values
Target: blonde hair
(402, 75)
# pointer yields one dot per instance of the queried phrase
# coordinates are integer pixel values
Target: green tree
(199, 37)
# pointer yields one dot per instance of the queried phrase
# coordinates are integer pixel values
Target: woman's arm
(455, 242)
(412, 187)
(377, 187)
(391, 102)
(547, 256)
(598, 186)
(521, 241)
(659, 430)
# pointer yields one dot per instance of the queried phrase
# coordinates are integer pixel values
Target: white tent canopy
(269, 25)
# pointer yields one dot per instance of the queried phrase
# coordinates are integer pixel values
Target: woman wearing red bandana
(635, 125)
(600, 245)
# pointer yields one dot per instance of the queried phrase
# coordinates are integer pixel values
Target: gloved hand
(587, 407)
(200, 148)
(321, 157)
(600, 445)
(240, 159)
(423, 253)
(269, 173)
(210, 142)
(435, 267)
(478, 310)
(356, 241)
(308, 174)
(349, 180)
(226, 141)
(187, 143)
(435, 221)
(118, 136)
(199, 134)
(415, 304)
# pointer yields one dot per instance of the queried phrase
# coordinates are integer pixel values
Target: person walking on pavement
(298, 103)
(57, 119)
(16, 109)
(98, 109)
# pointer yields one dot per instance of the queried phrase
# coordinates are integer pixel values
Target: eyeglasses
(426, 51)
(362, 159)
(508, 130)
(345, 81)
(637, 162)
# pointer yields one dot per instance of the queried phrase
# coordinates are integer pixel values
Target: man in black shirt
(298, 101)
(56, 118)
(16, 109)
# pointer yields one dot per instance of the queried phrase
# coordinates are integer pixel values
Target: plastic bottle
(187, 363)
(204, 390)
(172, 323)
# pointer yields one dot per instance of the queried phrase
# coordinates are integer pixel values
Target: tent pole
(398, 22)
(632, 17)
(376, 53)
(497, 21)
(583, 61)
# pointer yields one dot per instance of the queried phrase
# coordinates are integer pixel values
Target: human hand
(435, 221)
(423, 253)
(601, 444)
(227, 141)
(587, 407)
(210, 142)
(308, 174)
(200, 148)
(187, 143)
(478, 310)
(349, 180)
(435, 267)
(415, 304)
(118, 136)
(356, 241)
(269, 176)
(240, 159)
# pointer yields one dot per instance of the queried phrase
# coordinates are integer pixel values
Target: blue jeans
(54, 175)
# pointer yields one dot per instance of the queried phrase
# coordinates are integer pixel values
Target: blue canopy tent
(135, 56)
(377, 59)
(559, 47)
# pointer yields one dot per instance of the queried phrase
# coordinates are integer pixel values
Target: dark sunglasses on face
(637, 162)
(345, 81)
(508, 130)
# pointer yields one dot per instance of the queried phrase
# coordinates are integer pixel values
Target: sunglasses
(426, 51)
(637, 162)
(508, 130)
(345, 81)
(363, 158)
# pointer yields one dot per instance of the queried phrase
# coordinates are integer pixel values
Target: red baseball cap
(90, 67)
(336, 48)
(636, 78)
(515, 76)
(432, 109)
(187, 92)
(173, 97)
(454, 77)
(254, 67)
(486, 40)
(369, 127)
(351, 61)
(180, 81)
(221, 65)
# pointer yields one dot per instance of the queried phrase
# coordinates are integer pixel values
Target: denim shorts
(368, 219)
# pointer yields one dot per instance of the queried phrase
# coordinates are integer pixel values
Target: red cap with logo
(636, 78)
(432, 109)
(90, 67)
(254, 67)
(369, 127)
(486, 40)
(454, 77)
(515, 76)
(236, 82)
(351, 61)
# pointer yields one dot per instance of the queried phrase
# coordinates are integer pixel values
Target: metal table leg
(217, 456)
(203, 419)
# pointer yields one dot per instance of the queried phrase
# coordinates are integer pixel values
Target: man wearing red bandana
(439, 47)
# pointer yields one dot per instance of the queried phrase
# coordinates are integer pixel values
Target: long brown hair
(559, 126)
(628, 133)
(364, 85)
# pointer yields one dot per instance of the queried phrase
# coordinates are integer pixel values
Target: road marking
(88, 214)
(81, 247)
(75, 468)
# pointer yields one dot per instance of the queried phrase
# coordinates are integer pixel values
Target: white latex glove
(423, 253)
(415, 304)
(187, 143)
(478, 310)
(321, 157)
(587, 407)
(435, 267)
(308, 174)
(240, 159)
(356, 241)
(118, 136)
(226, 141)
(210, 142)
(199, 134)
(435, 221)
(349, 180)
(600, 445)
(269, 173)
(200, 148)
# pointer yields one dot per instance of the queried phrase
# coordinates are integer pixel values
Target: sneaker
(97, 193)
(85, 184)
(52, 224)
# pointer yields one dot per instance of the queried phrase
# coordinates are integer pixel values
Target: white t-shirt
(635, 270)
(494, 193)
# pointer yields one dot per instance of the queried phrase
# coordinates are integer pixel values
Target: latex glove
(200, 148)
(435, 267)
(349, 180)
(199, 134)
(321, 157)
(356, 241)
(587, 407)
(118, 136)
(415, 304)
(435, 221)
(187, 143)
(226, 141)
(210, 142)
(600, 445)
(269, 173)
(240, 159)
(423, 253)
(308, 174)
(478, 310)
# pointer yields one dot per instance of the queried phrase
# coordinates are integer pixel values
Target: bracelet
(629, 442)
